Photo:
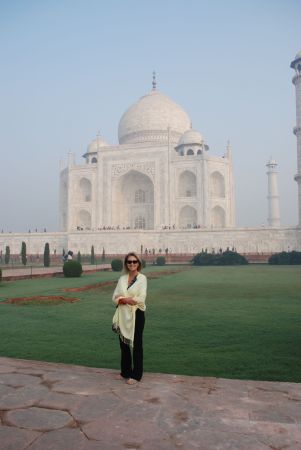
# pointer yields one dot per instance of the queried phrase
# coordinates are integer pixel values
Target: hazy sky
(71, 68)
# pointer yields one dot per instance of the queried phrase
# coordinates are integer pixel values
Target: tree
(103, 256)
(7, 254)
(79, 257)
(46, 255)
(92, 255)
(23, 254)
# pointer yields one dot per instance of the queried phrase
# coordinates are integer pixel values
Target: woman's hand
(130, 301)
(126, 301)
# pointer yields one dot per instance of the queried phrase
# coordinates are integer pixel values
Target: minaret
(296, 64)
(273, 197)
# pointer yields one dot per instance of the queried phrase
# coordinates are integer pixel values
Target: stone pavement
(46, 406)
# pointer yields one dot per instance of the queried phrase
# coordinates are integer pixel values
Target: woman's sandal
(132, 381)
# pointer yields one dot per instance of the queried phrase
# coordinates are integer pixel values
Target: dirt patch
(150, 276)
(156, 275)
(41, 300)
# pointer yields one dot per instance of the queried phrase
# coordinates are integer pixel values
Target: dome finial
(154, 81)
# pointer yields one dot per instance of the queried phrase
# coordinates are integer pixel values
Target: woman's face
(132, 264)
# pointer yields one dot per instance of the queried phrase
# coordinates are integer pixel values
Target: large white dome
(149, 118)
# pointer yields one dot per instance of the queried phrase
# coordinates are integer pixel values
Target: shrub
(295, 257)
(72, 269)
(203, 259)
(23, 254)
(0, 275)
(143, 263)
(227, 258)
(7, 254)
(230, 258)
(116, 265)
(292, 257)
(92, 256)
(160, 261)
(79, 257)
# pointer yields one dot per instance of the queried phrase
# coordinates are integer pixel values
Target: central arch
(133, 201)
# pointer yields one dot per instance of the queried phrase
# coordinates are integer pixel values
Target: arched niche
(140, 223)
(190, 152)
(187, 217)
(187, 184)
(85, 189)
(84, 220)
(217, 185)
(133, 197)
(218, 217)
(94, 160)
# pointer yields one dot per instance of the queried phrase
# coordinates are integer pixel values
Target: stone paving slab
(46, 406)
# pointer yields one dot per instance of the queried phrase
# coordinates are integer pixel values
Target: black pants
(135, 370)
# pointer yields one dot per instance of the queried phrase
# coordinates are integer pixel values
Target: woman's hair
(125, 267)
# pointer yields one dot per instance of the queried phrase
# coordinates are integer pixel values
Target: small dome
(191, 137)
(272, 162)
(149, 118)
(96, 144)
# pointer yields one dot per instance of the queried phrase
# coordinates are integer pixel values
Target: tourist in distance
(128, 321)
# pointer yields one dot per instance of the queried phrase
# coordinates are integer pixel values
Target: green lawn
(234, 322)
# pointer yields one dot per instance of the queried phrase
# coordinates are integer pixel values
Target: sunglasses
(132, 261)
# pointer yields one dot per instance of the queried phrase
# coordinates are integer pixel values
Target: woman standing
(128, 321)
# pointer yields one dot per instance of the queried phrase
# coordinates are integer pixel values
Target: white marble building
(161, 187)
(160, 175)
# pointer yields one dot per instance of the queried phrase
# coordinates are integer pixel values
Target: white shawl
(125, 315)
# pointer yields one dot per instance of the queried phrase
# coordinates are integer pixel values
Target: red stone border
(41, 298)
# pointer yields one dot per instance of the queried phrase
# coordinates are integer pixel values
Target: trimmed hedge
(46, 255)
(0, 275)
(116, 265)
(72, 269)
(160, 261)
(292, 257)
(227, 258)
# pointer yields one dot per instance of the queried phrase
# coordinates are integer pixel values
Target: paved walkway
(45, 406)
(32, 272)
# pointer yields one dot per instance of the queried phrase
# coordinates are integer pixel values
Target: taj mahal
(160, 187)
